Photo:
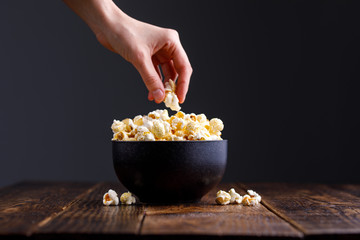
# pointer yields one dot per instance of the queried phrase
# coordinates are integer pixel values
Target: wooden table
(69, 210)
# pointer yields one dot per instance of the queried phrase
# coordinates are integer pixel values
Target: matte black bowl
(170, 171)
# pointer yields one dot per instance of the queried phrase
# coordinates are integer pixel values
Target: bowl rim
(185, 141)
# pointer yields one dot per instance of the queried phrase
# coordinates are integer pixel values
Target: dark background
(282, 75)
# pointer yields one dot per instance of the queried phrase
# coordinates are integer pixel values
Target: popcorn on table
(127, 198)
(222, 197)
(250, 199)
(171, 100)
(159, 126)
(111, 198)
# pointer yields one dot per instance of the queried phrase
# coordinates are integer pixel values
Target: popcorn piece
(246, 201)
(235, 197)
(121, 136)
(254, 195)
(118, 126)
(158, 129)
(191, 128)
(110, 198)
(127, 198)
(222, 197)
(216, 126)
(138, 120)
(201, 118)
(178, 123)
(129, 124)
(171, 100)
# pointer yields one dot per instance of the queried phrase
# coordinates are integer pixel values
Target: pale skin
(145, 46)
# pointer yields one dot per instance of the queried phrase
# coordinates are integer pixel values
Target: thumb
(151, 79)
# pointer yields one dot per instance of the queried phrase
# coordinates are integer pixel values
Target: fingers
(183, 68)
(169, 71)
(151, 78)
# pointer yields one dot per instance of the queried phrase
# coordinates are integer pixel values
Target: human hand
(146, 46)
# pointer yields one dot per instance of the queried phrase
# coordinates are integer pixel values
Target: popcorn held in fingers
(250, 199)
(127, 198)
(171, 100)
(235, 197)
(159, 126)
(222, 197)
(110, 198)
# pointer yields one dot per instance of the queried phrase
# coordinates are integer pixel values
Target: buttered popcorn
(159, 126)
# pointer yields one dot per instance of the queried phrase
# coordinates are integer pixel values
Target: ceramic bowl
(169, 171)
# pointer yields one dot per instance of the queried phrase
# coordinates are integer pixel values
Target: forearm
(97, 14)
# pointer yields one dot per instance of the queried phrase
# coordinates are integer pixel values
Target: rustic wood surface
(208, 218)
(24, 206)
(314, 209)
(49, 210)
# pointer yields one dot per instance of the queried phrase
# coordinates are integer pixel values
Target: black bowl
(170, 171)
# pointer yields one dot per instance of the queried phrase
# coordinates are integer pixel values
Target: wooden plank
(353, 189)
(88, 216)
(209, 219)
(24, 205)
(315, 209)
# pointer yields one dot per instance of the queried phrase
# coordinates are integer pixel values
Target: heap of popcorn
(159, 126)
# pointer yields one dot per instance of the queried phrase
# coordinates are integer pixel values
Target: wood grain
(315, 209)
(353, 189)
(24, 205)
(89, 216)
(206, 218)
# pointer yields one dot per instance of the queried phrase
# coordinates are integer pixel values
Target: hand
(146, 46)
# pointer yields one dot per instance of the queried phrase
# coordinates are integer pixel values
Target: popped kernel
(121, 136)
(254, 195)
(158, 129)
(127, 198)
(222, 197)
(216, 126)
(138, 120)
(171, 100)
(110, 198)
(129, 124)
(235, 197)
(118, 126)
(191, 128)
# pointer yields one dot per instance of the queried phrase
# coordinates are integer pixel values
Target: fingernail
(158, 95)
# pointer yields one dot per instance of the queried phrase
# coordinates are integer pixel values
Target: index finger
(184, 70)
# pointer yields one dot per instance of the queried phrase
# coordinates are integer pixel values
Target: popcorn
(118, 126)
(216, 126)
(235, 197)
(171, 100)
(127, 198)
(110, 198)
(159, 126)
(254, 195)
(158, 129)
(222, 197)
(138, 120)
(250, 199)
